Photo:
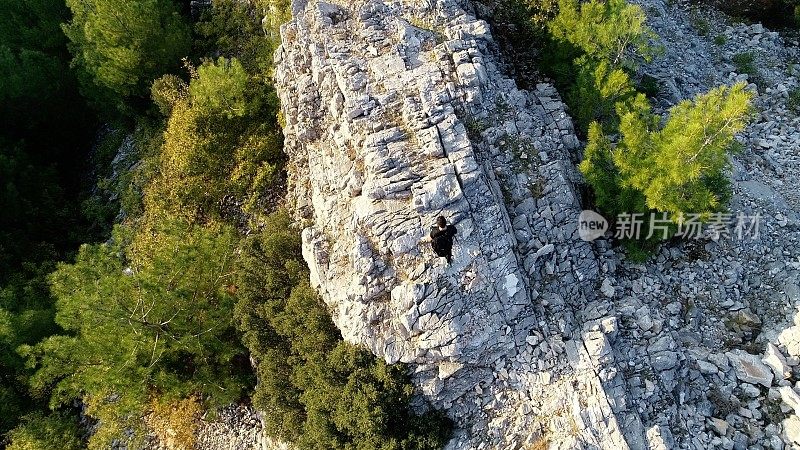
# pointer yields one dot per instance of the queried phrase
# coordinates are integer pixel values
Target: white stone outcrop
(397, 113)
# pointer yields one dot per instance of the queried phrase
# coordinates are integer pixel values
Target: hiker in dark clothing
(442, 238)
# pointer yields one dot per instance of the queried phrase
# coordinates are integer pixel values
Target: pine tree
(152, 317)
(606, 41)
(605, 30)
(676, 168)
(220, 88)
(598, 88)
(122, 46)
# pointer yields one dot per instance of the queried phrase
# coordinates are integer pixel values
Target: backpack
(441, 241)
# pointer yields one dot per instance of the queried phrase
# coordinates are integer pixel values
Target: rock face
(397, 113)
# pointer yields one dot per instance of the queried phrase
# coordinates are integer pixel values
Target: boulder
(791, 430)
(749, 368)
(790, 398)
(719, 425)
(790, 339)
(607, 288)
(664, 360)
(707, 368)
(777, 362)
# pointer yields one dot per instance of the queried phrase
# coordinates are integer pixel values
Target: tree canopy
(680, 167)
(121, 47)
(218, 142)
(606, 30)
(151, 319)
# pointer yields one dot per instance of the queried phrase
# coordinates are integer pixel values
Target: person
(442, 238)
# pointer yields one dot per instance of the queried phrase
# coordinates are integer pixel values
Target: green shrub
(700, 24)
(232, 28)
(596, 45)
(677, 168)
(639, 251)
(797, 15)
(745, 63)
(148, 138)
(44, 432)
(793, 103)
(216, 144)
(168, 91)
(720, 40)
(611, 196)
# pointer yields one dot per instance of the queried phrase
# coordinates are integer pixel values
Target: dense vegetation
(45, 132)
(150, 324)
(143, 318)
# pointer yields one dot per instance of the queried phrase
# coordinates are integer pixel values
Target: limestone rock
(790, 398)
(607, 288)
(791, 430)
(777, 362)
(790, 339)
(719, 425)
(706, 367)
(234, 428)
(749, 368)
(397, 113)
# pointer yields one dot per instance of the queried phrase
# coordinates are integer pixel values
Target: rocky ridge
(397, 113)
